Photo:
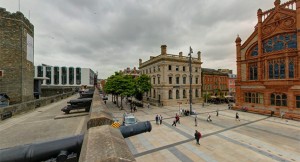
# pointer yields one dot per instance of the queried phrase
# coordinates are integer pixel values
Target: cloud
(110, 35)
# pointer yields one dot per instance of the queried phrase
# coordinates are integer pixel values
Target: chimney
(163, 49)
(180, 54)
(199, 55)
(140, 62)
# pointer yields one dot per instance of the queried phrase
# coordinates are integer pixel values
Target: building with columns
(65, 76)
(268, 62)
(170, 80)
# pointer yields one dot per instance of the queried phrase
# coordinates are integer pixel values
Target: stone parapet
(102, 142)
(31, 105)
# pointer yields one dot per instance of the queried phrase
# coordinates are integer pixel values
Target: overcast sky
(110, 35)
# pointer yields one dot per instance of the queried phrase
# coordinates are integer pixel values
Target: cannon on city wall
(83, 103)
(86, 94)
(61, 150)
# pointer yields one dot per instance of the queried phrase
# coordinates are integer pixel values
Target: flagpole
(19, 6)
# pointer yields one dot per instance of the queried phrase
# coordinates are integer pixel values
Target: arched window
(254, 51)
(253, 71)
(154, 93)
(177, 94)
(278, 99)
(170, 94)
(184, 93)
(280, 42)
(277, 69)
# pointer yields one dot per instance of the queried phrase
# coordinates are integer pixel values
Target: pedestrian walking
(196, 122)
(174, 123)
(237, 117)
(148, 105)
(134, 108)
(208, 118)
(217, 113)
(197, 137)
(160, 119)
(156, 119)
(177, 119)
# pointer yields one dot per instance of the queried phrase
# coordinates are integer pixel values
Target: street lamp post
(190, 64)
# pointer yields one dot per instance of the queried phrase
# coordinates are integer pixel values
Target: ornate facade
(268, 62)
(170, 78)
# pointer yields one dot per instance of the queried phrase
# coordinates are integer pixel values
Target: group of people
(184, 112)
(158, 119)
(133, 108)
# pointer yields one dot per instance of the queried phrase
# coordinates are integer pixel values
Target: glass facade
(56, 75)
(48, 75)
(71, 75)
(63, 75)
(78, 76)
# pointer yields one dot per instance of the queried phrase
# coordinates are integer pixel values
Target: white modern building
(65, 76)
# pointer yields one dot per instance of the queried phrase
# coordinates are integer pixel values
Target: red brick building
(268, 70)
(214, 83)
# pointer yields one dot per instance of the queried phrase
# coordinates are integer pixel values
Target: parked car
(129, 119)
(104, 98)
(84, 103)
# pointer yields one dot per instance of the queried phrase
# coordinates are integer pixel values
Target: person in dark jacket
(197, 137)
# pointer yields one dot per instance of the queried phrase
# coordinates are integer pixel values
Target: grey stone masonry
(18, 71)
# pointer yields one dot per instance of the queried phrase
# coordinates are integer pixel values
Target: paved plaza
(253, 138)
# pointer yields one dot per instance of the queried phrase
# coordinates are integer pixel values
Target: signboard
(29, 48)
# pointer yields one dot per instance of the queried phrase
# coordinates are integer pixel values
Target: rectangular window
(48, 75)
(56, 75)
(196, 80)
(177, 68)
(253, 71)
(154, 69)
(170, 67)
(158, 68)
(158, 80)
(40, 71)
(177, 80)
(183, 68)
(253, 97)
(184, 80)
(153, 80)
(297, 101)
(63, 75)
(196, 69)
(170, 80)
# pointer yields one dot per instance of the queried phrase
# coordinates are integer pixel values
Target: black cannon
(61, 150)
(84, 103)
(86, 94)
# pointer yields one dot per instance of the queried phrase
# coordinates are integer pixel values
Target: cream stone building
(170, 79)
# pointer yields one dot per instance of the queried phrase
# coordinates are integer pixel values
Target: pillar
(239, 72)
(259, 43)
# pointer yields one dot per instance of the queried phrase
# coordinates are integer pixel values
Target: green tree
(142, 84)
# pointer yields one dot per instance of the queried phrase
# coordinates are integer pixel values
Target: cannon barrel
(52, 149)
(131, 130)
(41, 151)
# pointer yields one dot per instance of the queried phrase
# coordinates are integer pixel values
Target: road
(40, 125)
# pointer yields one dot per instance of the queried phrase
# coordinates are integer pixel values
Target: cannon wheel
(67, 111)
